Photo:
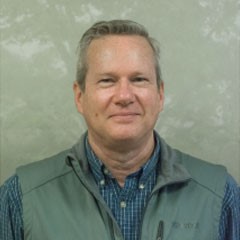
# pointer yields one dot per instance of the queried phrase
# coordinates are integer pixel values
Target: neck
(124, 159)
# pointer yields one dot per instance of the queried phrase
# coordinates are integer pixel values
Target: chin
(125, 136)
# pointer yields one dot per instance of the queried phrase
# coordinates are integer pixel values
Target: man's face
(121, 101)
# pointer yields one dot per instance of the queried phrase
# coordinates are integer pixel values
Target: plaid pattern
(126, 203)
(127, 212)
(11, 222)
(230, 217)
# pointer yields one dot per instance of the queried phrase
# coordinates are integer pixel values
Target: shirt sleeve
(230, 217)
(11, 222)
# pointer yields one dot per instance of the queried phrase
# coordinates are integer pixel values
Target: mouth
(124, 114)
(124, 117)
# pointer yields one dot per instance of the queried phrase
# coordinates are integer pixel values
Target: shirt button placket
(123, 204)
(102, 182)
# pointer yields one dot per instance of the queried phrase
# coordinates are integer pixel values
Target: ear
(161, 96)
(78, 94)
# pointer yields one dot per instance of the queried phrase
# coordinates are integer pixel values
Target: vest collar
(170, 170)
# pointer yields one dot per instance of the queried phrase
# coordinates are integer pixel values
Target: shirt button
(141, 186)
(123, 204)
(105, 170)
(102, 182)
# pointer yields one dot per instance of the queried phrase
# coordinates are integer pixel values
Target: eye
(105, 82)
(139, 79)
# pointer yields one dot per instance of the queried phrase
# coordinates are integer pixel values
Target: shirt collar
(100, 172)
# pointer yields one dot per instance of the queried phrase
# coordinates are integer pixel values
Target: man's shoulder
(203, 174)
(198, 166)
(210, 176)
(38, 173)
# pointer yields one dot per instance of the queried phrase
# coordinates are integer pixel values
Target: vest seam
(207, 188)
(46, 182)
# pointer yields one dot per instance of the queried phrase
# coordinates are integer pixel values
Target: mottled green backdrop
(200, 59)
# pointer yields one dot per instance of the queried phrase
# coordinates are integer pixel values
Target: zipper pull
(160, 231)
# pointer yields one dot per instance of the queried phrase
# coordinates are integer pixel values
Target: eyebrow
(112, 74)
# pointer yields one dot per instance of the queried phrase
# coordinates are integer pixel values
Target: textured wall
(200, 63)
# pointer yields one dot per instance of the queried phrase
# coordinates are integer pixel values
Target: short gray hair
(113, 27)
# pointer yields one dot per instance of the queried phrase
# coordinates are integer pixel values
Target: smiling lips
(124, 117)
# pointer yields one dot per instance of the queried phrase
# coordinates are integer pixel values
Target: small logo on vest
(187, 225)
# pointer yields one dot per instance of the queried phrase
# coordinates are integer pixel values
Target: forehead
(119, 47)
(114, 38)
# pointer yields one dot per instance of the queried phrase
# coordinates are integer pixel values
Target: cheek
(102, 99)
(94, 105)
(154, 104)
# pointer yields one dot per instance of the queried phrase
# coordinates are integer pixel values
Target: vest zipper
(160, 231)
(74, 164)
(161, 223)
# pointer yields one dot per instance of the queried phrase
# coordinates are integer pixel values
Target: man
(121, 180)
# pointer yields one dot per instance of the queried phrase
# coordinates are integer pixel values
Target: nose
(124, 94)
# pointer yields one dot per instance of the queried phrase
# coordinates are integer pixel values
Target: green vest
(62, 204)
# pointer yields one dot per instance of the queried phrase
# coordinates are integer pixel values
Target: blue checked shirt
(126, 203)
